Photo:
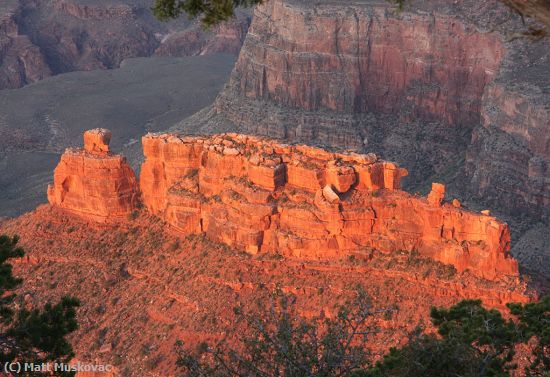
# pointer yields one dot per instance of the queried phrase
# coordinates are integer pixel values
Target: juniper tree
(212, 12)
(472, 341)
(35, 336)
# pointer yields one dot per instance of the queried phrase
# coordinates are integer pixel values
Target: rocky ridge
(296, 201)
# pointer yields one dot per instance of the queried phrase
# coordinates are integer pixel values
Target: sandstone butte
(265, 197)
(94, 183)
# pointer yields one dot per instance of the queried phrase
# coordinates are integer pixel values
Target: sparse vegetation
(282, 344)
(472, 342)
(212, 12)
(133, 215)
(32, 335)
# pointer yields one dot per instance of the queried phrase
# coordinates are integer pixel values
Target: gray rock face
(508, 161)
(39, 38)
(437, 88)
(21, 62)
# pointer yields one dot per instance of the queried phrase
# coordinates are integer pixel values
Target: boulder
(97, 141)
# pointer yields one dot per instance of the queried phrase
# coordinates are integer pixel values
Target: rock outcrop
(92, 183)
(419, 87)
(267, 197)
(305, 202)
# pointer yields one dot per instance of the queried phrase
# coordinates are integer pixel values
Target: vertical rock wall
(419, 87)
(305, 202)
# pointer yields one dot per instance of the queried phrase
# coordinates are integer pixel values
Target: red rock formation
(293, 200)
(97, 141)
(306, 202)
(93, 183)
(360, 57)
(437, 195)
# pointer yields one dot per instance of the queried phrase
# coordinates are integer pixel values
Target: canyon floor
(142, 287)
(39, 121)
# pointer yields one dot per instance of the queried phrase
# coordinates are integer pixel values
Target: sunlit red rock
(97, 141)
(93, 183)
(437, 195)
(294, 200)
(305, 202)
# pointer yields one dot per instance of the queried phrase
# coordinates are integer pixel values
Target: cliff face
(21, 62)
(305, 202)
(508, 160)
(143, 287)
(266, 197)
(316, 225)
(93, 183)
(419, 87)
(357, 59)
(46, 37)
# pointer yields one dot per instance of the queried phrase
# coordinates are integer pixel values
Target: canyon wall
(21, 62)
(508, 160)
(419, 87)
(297, 201)
(39, 38)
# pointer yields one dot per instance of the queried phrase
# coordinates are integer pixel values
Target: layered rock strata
(93, 183)
(305, 202)
(293, 200)
(21, 61)
(40, 38)
(508, 160)
(419, 87)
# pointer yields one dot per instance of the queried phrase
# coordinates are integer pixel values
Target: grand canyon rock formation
(419, 87)
(39, 38)
(266, 197)
(93, 183)
(340, 218)
(144, 286)
(306, 202)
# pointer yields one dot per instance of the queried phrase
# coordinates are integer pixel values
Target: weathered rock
(42, 38)
(437, 195)
(330, 195)
(210, 185)
(97, 141)
(180, 284)
(92, 183)
(267, 197)
(21, 61)
(420, 87)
